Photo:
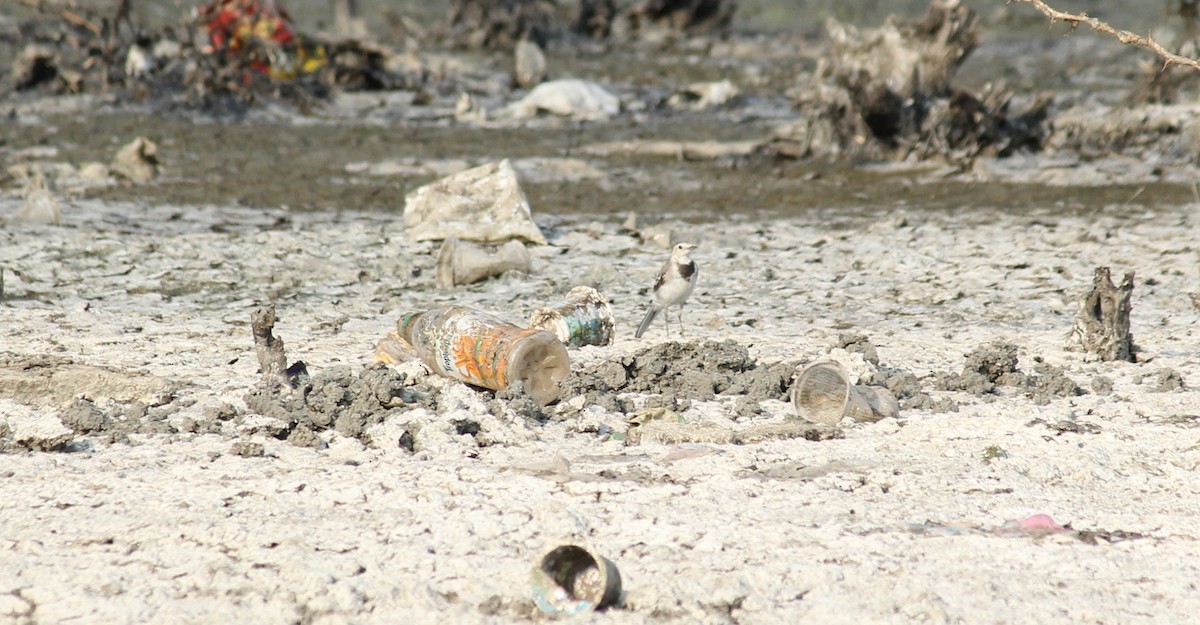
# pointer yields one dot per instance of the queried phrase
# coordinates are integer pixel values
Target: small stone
(1169, 380)
(248, 449)
(1102, 385)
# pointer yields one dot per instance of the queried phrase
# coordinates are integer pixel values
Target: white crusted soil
(894, 522)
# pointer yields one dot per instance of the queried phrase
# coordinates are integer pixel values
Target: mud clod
(995, 365)
(859, 344)
(691, 371)
(993, 362)
(84, 417)
(342, 398)
(676, 374)
(985, 367)
(1051, 383)
(248, 449)
(516, 400)
(1168, 381)
(902, 384)
(1102, 385)
(923, 401)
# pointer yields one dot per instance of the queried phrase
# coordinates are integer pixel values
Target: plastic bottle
(478, 348)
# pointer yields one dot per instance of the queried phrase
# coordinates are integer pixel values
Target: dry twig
(67, 14)
(1124, 36)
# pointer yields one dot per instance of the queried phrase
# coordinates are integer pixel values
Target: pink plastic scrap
(1039, 522)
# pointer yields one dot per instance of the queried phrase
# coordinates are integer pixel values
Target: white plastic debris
(461, 262)
(138, 62)
(703, 95)
(580, 99)
(529, 64)
(137, 161)
(41, 204)
(485, 203)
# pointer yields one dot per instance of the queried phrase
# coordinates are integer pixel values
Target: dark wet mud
(305, 168)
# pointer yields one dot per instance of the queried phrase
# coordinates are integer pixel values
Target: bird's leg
(682, 328)
(667, 319)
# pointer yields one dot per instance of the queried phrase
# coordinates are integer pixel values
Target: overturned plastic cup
(463, 262)
(823, 394)
(571, 579)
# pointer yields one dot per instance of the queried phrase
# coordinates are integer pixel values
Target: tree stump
(1102, 324)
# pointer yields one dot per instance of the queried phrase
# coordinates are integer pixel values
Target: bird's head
(681, 250)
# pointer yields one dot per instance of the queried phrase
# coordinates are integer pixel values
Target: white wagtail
(674, 285)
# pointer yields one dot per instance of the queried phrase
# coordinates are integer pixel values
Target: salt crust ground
(889, 524)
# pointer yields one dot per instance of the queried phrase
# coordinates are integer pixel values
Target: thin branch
(1124, 36)
(66, 13)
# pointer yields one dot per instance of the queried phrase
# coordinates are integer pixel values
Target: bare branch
(1124, 36)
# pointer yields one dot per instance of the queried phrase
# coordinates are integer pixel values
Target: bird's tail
(650, 315)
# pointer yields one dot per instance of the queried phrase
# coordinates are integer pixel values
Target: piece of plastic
(583, 318)
(569, 97)
(462, 262)
(484, 204)
(478, 348)
(823, 394)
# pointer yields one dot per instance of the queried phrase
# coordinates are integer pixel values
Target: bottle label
(474, 347)
(584, 318)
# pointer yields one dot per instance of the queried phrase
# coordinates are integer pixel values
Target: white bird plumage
(674, 285)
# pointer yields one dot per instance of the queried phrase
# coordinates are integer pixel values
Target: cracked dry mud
(385, 491)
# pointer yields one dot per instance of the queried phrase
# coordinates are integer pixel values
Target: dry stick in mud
(1102, 325)
(1124, 36)
(271, 359)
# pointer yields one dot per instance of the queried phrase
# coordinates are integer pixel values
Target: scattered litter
(477, 348)
(393, 350)
(137, 161)
(571, 579)
(259, 34)
(485, 203)
(578, 99)
(1036, 525)
(583, 318)
(703, 95)
(824, 395)
(463, 262)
